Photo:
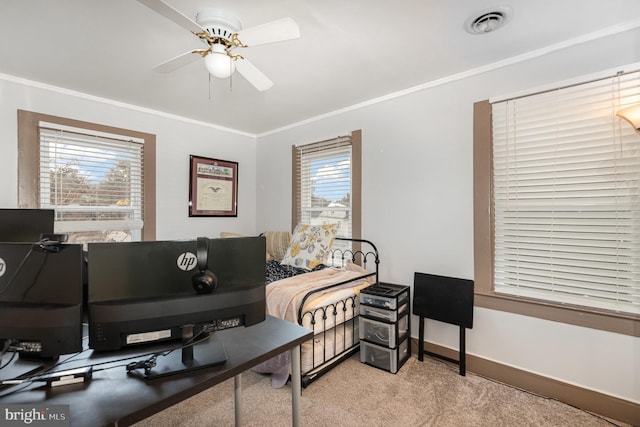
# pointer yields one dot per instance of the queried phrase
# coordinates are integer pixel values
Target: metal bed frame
(330, 313)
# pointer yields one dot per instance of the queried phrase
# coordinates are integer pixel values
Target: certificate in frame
(213, 187)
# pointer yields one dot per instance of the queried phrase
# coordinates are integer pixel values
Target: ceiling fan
(223, 34)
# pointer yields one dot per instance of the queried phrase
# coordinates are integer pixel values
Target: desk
(114, 398)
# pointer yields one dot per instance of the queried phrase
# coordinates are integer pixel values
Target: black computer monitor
(147, 292)
(41, 298)
(25, 225)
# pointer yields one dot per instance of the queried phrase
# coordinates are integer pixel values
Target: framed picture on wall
(213, 187)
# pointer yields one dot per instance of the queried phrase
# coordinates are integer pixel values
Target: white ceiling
(350, 51)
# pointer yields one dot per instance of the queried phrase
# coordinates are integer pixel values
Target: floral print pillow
(310, 245)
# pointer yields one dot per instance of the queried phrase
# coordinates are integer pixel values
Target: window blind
(322, 177)
(93, 181)
(566, 203)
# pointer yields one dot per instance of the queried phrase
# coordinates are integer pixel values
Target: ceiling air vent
(488, 21)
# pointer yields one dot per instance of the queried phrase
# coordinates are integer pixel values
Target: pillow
(228, 234)
(310, 245)
(277, 243)
(352, 266)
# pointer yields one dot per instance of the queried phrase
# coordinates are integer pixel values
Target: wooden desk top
(113, 397)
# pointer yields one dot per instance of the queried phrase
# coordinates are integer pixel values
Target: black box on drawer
(384, 333)
(385, 295)
(389, 359)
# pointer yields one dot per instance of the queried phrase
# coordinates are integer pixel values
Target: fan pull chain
(231, 75)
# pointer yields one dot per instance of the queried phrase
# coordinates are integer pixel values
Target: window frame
(356, 186)
(485, 296)
(29, 162)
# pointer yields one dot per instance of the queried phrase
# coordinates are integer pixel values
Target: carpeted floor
(427, 393)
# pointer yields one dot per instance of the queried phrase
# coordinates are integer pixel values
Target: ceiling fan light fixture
(218, 23)
(222, 33)
(218, 63)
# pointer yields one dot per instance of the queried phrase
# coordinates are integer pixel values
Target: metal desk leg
(421, 339)
(237, 397)
(462, 359)
(296, 388)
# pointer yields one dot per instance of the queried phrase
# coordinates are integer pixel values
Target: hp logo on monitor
(187, 261)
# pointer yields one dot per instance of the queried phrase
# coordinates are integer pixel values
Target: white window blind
(566, 203)
(94, 181)
(323, 174)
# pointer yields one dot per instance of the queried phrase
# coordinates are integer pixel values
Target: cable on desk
(150, 362)
(196, 339)
(5, 348)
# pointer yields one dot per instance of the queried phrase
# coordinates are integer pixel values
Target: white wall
(175, 140)
(418, 208)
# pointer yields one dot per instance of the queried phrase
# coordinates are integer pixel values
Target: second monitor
(145, 292)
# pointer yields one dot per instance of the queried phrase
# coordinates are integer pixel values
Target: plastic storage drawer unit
(384, 295)
(383, 314)
(387, 334)
(389, 359)
(384, 326)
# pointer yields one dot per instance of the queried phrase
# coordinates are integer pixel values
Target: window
(557, 206)
(97, 179)
(326, 184)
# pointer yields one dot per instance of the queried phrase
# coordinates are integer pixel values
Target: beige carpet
(427, 393)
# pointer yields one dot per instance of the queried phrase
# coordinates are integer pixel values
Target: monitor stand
(191, 358)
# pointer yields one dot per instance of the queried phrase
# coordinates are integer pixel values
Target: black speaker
(204, 281)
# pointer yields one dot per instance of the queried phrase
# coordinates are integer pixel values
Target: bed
(324, 299)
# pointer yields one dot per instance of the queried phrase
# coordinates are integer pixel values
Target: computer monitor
(41, 298)
(147, 292)
(25, 225)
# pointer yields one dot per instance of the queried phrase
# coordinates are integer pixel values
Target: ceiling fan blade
(172, 14)
(177, 62)
(270, 32)
(253, 75)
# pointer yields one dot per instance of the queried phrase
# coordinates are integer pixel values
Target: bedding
(315, 308)
(285, 296)
(277, 244)
(326, 345)
(315, 353)
(312, 283)
(310, 245)
(328, 297)
(277, 271)
(331, 309)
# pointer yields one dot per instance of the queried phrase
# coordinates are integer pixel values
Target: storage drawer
(389, 359)
(387, 334)
(385, 295)
(381, 313)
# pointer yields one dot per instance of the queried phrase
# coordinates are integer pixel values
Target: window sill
(606, 321)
